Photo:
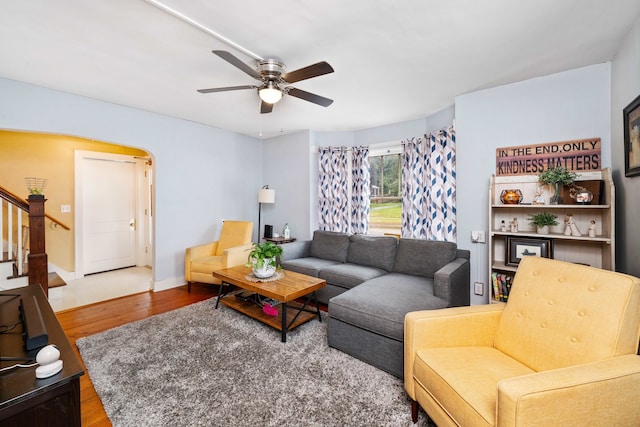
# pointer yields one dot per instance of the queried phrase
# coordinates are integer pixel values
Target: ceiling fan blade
(315, 70)
(265, 108)
(308, 96)
(225, 89)
(237, 63)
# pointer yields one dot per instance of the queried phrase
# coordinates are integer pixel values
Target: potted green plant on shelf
(542, 221)
(263, 259)
(558, 177)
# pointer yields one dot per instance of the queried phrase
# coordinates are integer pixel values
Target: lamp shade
(266, 195)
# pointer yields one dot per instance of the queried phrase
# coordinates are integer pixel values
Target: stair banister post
(38, 265)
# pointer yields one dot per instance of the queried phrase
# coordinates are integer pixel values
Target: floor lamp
(265, 195)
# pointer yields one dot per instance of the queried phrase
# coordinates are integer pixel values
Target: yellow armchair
(231, 249)
(561, 352)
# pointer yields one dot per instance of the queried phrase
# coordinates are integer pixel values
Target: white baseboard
(170, 283)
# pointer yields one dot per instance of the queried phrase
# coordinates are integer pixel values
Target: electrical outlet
(65, 208)
(478, 288)
(478, 236)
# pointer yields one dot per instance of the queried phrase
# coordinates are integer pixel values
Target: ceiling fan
(274, 80)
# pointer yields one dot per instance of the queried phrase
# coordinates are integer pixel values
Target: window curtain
(360, 190)
(429, 186)
(333, 196)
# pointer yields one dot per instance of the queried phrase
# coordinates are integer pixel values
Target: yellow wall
(24, 154)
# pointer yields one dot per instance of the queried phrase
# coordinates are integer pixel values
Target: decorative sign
(579, 155)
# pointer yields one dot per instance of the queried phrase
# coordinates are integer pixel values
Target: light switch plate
(478, 288)
(478, 236)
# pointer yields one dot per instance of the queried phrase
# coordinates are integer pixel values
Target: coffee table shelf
(253, 310)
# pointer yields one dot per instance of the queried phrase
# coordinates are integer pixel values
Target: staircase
(24, 259)
(8, 278)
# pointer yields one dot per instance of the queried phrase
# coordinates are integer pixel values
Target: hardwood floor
(83, 321)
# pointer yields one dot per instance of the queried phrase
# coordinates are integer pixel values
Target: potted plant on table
(557, 176)
(263, 259)
(542, 221)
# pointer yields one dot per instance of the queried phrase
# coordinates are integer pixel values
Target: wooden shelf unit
(596, 251)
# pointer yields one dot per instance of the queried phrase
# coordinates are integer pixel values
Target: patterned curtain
(429, 186)
(360, 190)
(333, 190)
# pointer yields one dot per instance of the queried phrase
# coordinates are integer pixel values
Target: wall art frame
(631, 118)
(518, 247)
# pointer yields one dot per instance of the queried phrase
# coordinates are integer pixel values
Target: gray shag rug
(201, 366)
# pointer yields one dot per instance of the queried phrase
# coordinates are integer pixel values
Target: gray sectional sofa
(373, 282)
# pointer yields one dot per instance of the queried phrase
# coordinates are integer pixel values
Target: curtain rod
(340, 148)
(390, 144)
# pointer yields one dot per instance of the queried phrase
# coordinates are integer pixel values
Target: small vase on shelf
(543, 221)
(556, 199)
(557, 176)
(543, 229)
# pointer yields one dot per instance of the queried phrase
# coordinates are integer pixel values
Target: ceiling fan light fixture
(270, 94)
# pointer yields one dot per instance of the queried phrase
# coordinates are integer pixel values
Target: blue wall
(559, 107)
(203, 175)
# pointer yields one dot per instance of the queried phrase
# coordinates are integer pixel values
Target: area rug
(201, 366)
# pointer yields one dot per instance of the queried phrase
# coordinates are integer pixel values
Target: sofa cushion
(447, 373)
(373, 251)
(563, 314)
(379, 305)
(421, 257)
(233, 233)
(206, 264)
(329, 245)
(349, 275)
(310, 266)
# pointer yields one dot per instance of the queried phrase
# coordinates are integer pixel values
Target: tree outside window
(386, 193)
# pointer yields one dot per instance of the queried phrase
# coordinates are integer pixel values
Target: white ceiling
(394, 60)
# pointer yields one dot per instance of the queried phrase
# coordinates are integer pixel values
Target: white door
(108, 213)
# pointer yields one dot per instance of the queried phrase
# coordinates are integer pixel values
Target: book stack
(501, 286)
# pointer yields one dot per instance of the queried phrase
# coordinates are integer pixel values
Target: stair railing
(37, 257)
(15, 242)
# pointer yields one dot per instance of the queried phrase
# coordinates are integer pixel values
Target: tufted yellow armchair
(561, 352)
(231, 249)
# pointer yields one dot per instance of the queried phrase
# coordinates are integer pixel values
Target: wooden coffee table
(285, 290)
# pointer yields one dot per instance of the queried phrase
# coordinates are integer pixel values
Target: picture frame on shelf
(518, 247)
(631, 117)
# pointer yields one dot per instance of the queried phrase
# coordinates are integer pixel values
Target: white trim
(382, 149)
(163, 285)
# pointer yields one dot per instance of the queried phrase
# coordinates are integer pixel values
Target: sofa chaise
(373, 282)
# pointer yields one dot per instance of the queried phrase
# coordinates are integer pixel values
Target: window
(385, 214)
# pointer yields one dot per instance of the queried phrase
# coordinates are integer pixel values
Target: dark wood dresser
(24, 399)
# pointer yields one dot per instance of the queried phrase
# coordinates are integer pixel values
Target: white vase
(267, 269)
(543, 229)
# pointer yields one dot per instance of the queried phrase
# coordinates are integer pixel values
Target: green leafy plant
(264, 252)
(543, 218)
(557, 175)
